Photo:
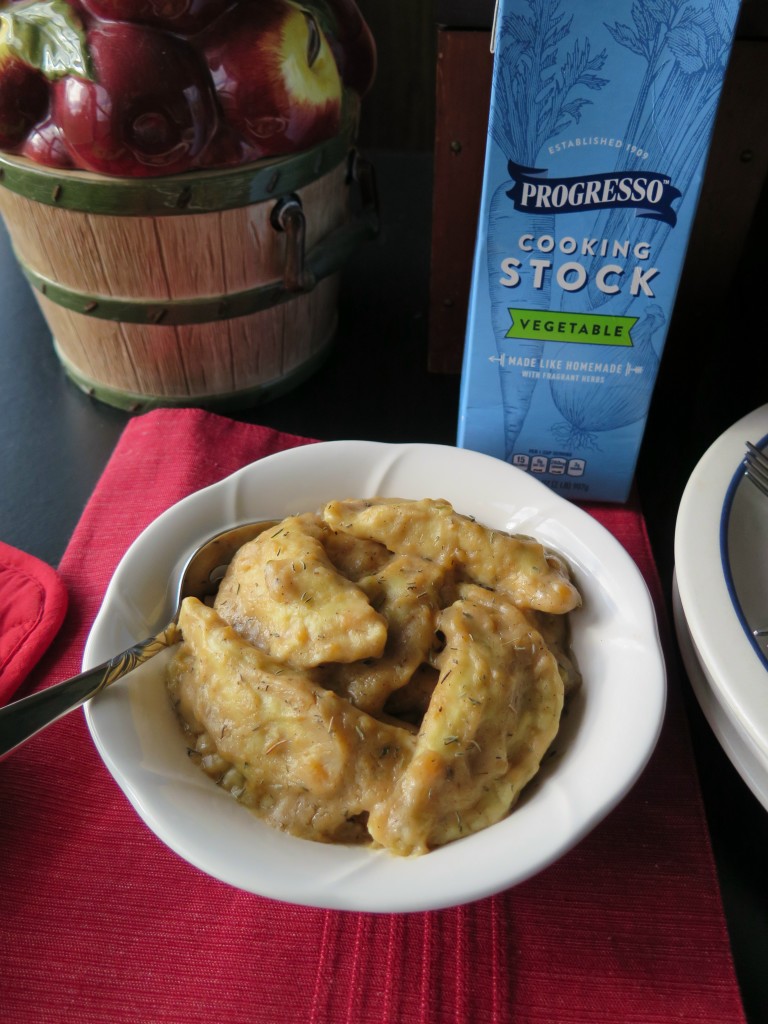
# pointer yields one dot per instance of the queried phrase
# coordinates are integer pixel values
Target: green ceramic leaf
(47, 35)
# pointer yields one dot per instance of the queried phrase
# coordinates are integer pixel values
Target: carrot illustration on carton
(600, 123)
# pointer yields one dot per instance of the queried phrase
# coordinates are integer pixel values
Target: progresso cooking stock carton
(600, 123)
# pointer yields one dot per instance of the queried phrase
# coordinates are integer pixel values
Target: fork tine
(757, 456)
(757, 470)
(756, 467)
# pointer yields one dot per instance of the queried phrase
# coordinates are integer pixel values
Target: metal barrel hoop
(302, 270)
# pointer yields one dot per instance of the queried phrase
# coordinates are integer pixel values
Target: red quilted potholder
(33, 601)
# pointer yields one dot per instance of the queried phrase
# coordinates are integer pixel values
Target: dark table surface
(55, 442)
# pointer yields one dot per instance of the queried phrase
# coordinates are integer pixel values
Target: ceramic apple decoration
(275, 76)
(183, 16)
(155, 87)
(23, 98)
(151, 109)
(45, 145)
(352, 43)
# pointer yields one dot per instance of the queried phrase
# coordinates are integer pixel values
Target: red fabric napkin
(33, 602)
(99, 922)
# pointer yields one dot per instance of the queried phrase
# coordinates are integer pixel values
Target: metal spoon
(200, 578)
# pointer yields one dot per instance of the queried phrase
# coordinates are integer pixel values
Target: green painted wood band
(193, 192)
(245, 398)
(325, 258)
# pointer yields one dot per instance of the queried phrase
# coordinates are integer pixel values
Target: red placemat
(99, 922)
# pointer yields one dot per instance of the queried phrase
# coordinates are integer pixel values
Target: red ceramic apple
(183, 16)
(275, 76)
(45, 145)
(227, 149)
(353, 44)
(151, 109)
(23, 99)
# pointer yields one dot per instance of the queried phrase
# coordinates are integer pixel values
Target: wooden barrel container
(212, 288)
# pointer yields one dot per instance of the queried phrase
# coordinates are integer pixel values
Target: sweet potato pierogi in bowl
(383, 671)
(428, 680)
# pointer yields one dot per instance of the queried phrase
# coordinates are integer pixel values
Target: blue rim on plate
(722, 585)
(737, 481)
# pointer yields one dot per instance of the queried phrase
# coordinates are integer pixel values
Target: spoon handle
(24, 718)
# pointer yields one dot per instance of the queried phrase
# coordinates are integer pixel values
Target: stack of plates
(720, 597)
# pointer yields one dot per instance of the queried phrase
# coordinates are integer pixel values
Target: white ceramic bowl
(605, 740)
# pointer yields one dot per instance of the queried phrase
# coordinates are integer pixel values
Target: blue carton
(600, 124)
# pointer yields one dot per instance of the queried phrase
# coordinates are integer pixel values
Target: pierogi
(384, 671)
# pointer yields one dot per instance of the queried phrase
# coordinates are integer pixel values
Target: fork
(756, 470)
(756, 467)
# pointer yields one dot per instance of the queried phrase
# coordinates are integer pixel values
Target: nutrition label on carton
(557, 465)
(601, 116)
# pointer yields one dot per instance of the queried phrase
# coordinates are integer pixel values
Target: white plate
(605, 741)
(751, 766)
(721, 564)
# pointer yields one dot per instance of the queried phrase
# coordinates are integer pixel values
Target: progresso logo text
(650, 193)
